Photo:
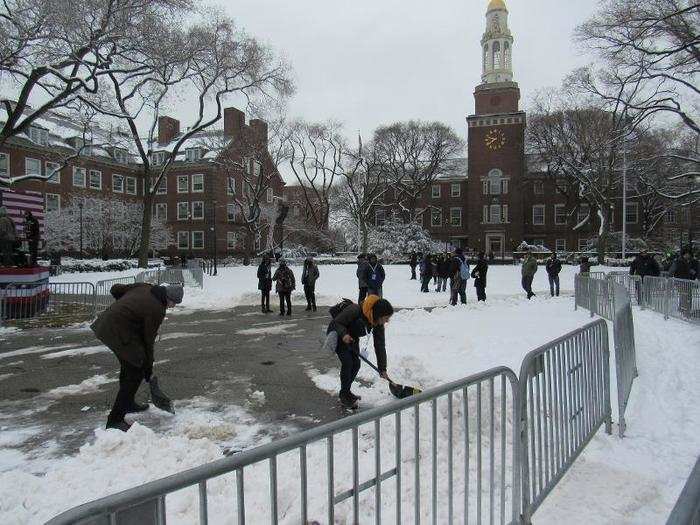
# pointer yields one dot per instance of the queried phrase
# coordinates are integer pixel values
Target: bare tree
(209, 61)
(412, 154)
(53, 51)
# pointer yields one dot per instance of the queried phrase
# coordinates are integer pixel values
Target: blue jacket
(374, 276)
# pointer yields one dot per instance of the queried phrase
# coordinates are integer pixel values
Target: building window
(582, 244)
(538, 187)
(158, 158)
(53, 202)
(79, 175)
(33, 167)
(494, 186)
(496, 61)
(582, 213)
(560, 245)
(379, 217)
(53, 171)
(197, 210)
(504, 186)
(231, 212)
(4, 165)
(485, 187)
(419, 216)
(456, 190)
(231, 188)
(231, 240)
(197, 240)
(560, 214)
(39, 136)
(183, 183)
(456, 216)
(538, 215)
(631, 213)
(118, 183)
(183, 211)
(183, 240)
(162, 186)
(197, 183)
(435, 191)
(269, 195)
(256, 168)
(436, 218)
(160, 211)
(671, 217)
(131, 185)
(193, 154)
(495, 214)
(95, 180)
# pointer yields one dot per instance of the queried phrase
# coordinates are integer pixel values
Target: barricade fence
(631, 283)
(485, 449)
(683, 299)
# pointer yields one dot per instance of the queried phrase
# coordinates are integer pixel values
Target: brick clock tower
(496, 138)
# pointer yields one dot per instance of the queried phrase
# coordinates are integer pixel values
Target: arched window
(496, 23)
(506, 55)
(496, 61)
(486, 57)
(494, 177)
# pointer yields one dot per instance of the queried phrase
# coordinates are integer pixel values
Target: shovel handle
(370, 363)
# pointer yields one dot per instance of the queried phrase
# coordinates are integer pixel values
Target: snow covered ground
(634, 480)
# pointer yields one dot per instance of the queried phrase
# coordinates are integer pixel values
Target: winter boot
(308, 308)
(347, 401)
(119, 425)
(137, 407)
(356, 398)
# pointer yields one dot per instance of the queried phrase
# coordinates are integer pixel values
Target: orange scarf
(367, 306)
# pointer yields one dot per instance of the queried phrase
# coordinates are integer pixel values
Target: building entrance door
(494, 245)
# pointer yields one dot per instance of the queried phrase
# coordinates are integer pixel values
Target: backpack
(464, 270)
(336, 309)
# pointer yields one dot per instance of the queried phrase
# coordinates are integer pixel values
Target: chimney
(259, 130)
(168, 129)
(234, 121)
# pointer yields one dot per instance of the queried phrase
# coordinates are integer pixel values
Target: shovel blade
(402, 391)
(159, 398)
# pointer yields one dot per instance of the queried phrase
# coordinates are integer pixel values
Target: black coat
(443, 268)
(352, 321)
(682, 269)
(553, 267)
(479, 273)
(264, 277)
(374, 276)
(645, 265)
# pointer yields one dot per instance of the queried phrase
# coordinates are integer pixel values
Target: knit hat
(382, 308)
(174, 293)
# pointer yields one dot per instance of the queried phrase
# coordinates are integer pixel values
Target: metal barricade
(655, 294)
(631, 283)
(103, 299)
(447, 453)
(625, 351)
(683, 299)
(47, 304)
(600, 298)
(148, 276)
(686, 511)
(582, 296)
(564, 398)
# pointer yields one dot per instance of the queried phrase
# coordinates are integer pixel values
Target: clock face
(495, 139)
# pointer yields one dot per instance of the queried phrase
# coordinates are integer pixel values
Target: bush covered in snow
(394, 239)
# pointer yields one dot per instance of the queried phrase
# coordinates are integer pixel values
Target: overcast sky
(373, 62)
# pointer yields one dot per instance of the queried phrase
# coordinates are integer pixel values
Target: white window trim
(500, 214)
(56, 178)
(197, 247)
(538, 184)
(7, 157)
(46, 201)
(634, 205)
(544, 219)
(162, 206)
(559, 207)
(76, 169)
(26, 165)
(269, 195)
(186, 237)
(126, 186)
(229, 237)
(231, 186)
(197, 218)
(90, 172)
(231, 217)
(557, 247)
(452, 190)
(192, 178)
(432, 191)
(186, 207)
(432, 218)
(163, 186)
(459, 224)
(582, 243)
(187, 178)
(485, 187)
(42, 134)
(581, 208)
(114, 178)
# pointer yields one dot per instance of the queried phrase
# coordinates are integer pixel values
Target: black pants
(33, 249)
(413, 273)
(553, 285)
(527, 285)
(349, 366)
(363, 294)
(424, 284)
(265, 300)
(480, 292)
(130, 378)
(310, 293)
(285, 297)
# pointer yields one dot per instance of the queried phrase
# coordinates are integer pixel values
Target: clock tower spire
(496, 45)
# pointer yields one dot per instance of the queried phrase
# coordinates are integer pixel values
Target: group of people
(9, 241)
(450, 269)
(285, 284)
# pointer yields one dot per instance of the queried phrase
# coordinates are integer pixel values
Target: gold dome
(496, 4)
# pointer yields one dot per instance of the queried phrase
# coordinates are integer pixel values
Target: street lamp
(80, 207)
(213, 229)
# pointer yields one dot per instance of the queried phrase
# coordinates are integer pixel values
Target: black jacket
(479, 273)
(553, 266)
(645, 265)
(264, 277)
(682, 269)
(374, 276)
(352, 321)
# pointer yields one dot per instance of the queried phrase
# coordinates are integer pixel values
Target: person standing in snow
(585, 265)
(129, 328)
(479, 275)
(426, 269)
(308, 280)
(352, 323)
(413, 263)
(362, 276)
(459, 275)
(374, 276)
(643, 265)
(285, 285)
(528, 271)
(32, 232)
(685, 267)
(444, 271)
(8, 236)
(265, 283)
(553, 268)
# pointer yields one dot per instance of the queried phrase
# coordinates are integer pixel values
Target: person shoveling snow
(129, 328)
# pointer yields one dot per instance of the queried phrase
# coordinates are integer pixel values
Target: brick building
(204, 197)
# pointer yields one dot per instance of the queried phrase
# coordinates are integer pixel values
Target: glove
(148, 372)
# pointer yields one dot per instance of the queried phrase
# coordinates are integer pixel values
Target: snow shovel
(159, 398)
(399, 391)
